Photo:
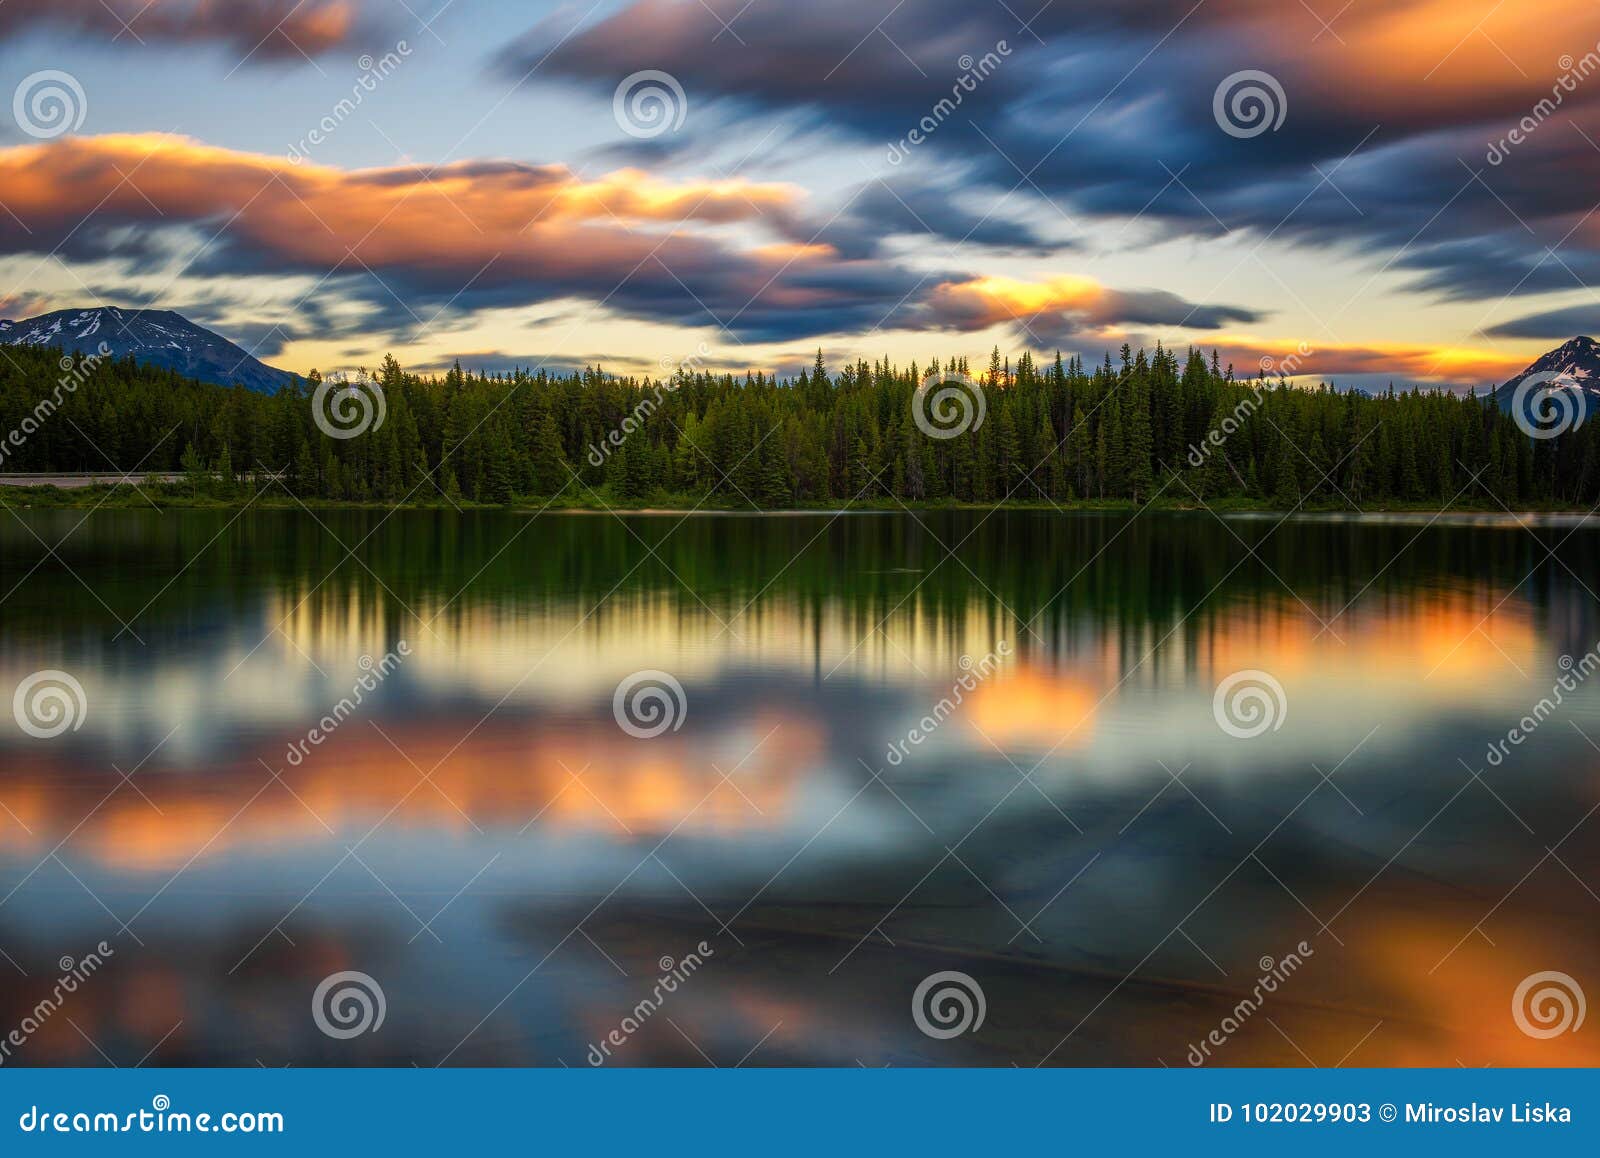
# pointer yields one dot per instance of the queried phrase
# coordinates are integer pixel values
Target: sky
(1354, 192)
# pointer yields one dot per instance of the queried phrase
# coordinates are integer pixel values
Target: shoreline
(161, 496)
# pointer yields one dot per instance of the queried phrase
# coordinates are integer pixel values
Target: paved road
(71, 481)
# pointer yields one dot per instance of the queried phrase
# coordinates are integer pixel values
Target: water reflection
(1078, 834)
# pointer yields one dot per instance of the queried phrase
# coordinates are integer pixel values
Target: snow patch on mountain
(155, 337)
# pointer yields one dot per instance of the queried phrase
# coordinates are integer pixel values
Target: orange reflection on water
(1033, 706)
(444, 775)
(1418, 982)
(1463, 986)
(1444, 640)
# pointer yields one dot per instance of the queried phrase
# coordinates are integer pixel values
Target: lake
(709, 789)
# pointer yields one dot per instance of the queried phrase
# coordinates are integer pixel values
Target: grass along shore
(183, 496)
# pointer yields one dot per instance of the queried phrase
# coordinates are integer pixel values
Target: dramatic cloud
(1397, 129)
(415, 242)
(264, 28)
(14, 307)
(1059, 310)
(501, 362)
(1398, 362)
(1551, 324)
(886, 208)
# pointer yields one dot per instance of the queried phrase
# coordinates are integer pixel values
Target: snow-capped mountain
(156, 337)
(1574, 366)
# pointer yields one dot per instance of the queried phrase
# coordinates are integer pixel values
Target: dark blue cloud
(1096, 107)
(1551, 324)
(261, 30)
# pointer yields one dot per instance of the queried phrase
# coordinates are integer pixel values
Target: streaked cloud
(1400, 362)
(1079, 194)
(260, 28)
(1558, 324)
(1391, 110)
(1063, 308)
(477, 235)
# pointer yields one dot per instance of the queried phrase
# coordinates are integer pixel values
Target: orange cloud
(1401, 361)
(1064, 306)
(264, 28)
(1441, 55)
(510, 233)
(493, 234)
(986, 301)
(380, 214)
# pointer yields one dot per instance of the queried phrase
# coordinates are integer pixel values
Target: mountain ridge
(161, 338)
(1573, 365)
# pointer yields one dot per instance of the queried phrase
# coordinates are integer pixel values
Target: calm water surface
(1077, 833)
